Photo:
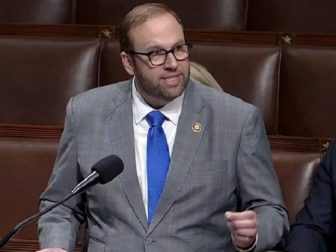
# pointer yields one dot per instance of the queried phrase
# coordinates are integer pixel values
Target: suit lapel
(190, 128)
(120, 126)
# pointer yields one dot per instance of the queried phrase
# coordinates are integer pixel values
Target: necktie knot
(155, 118)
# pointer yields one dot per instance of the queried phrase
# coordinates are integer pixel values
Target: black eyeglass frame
(148, 54)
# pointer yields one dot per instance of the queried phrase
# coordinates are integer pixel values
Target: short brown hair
(139, 15)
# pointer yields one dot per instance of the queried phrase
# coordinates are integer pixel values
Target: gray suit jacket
(226, 165)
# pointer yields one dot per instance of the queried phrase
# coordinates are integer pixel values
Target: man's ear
(127, 63)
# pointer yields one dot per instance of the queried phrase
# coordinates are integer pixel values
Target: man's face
(158, 84)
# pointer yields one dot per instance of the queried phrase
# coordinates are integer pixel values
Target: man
(314, 229)
(220, 192)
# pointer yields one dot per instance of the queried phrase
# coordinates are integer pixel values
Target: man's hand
(52, 250)
(243, 227)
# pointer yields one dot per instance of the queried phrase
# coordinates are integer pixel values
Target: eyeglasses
(159, 57)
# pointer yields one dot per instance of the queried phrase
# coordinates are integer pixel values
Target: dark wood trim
(54, 30)
(232, 37)
(30, 131)
(192, 35)
(20, 245)
(298, 144)
(16, 245)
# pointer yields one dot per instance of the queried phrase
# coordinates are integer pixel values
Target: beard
(157, 94)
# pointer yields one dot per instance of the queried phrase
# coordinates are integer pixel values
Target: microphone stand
(90, 180)
(101, 174)
(30, 219)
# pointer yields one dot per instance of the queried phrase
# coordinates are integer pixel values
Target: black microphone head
(108, 168)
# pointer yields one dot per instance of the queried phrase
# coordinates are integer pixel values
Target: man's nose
(171, 61)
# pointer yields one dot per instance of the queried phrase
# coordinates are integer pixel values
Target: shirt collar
(172, 110)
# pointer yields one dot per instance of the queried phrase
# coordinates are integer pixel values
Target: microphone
(103, 172)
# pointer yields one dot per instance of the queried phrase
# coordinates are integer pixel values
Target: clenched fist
(243, 227)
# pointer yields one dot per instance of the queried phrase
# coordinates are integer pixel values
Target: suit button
(149, 241)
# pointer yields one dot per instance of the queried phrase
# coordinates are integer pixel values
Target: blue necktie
(157, 160)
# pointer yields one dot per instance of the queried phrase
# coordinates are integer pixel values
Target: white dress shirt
(140, 126)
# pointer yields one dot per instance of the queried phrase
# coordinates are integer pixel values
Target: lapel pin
(197, 127)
